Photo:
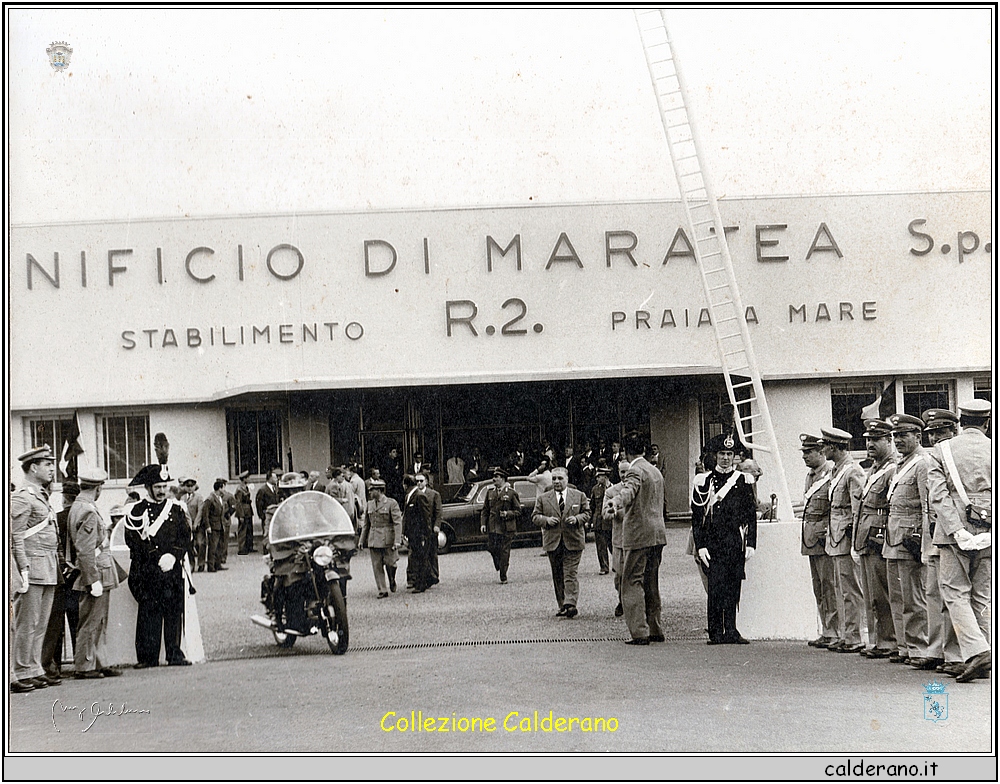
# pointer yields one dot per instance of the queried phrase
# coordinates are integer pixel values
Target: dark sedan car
(461, 515)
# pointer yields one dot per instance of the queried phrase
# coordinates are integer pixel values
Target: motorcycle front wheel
(335, 621)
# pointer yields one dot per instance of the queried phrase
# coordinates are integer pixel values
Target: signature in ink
(91, 713)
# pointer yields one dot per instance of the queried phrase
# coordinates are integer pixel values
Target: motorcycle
(312, 541)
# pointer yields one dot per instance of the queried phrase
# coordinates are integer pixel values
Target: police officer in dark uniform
(498, 521)
(724, 524)
(158, 538)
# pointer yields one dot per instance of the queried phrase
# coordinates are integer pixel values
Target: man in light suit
(962, 521)
(643, 536)
(562, 513)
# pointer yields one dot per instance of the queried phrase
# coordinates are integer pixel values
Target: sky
(190, 112)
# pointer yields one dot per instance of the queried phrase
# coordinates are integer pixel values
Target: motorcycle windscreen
(308, 515)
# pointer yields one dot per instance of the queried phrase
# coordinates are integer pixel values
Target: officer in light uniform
(98, 576)
(960, 486)
(382, 534)
(846, 481)
(869, 538)
(815, 523)
(35, 544)
(942, 643)
(908, 513)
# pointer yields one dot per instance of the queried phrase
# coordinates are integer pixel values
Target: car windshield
(308, 515)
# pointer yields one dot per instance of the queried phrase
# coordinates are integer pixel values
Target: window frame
(100, 419)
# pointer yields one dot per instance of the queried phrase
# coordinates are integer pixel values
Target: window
(254, 441)
(918, 397)
(53, 432)
(125, 445)
(848, 401)
(982, 389)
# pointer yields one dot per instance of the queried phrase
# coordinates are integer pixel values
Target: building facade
(302, 340)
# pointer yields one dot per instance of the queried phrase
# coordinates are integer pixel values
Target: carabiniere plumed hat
(724, 442)
(153, 474)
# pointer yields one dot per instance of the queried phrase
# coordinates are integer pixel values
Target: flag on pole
(883, 405)
(71, 449)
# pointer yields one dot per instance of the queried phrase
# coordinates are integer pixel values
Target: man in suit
(35, 542)
(64, 601)
(381, 535)
(267, 496)
(562, 513)
(960, 490)
(643, 536)
(98, 576)
(244, 514)
(499, 517)
(815, 521)
(215, 519)
(601, 526)
(434, 497)
(417, 528)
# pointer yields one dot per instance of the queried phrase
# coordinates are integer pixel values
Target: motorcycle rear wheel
(335, 621)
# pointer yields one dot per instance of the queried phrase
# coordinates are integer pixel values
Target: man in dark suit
(562, 513)
(215, 520)
(417, 528)
(501, 511)
(434, 497)
(266, 496)
(643, 534)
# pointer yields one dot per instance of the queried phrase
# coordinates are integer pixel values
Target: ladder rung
(717, 288)
(724, 320)
(687, 157)
(742, 384)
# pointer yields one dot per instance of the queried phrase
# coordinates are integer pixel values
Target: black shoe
(382, 595)
(179, 663)
(221, 568)
(738, 639)
(89, 675)
(978, 666)
(849, 648)
(571, 612)
(638, 641)
(111, 673)
(603, 571)
(242, 552)
(419, 590)
(715, 641)
(145, 665)
(954, 669)
(657, 638)
(619, 610)
(878, 653)
(38, 683)
(562, 610)
(503, 580)
(392, 583)
(52, 680)
(897, 658)
(20, 687)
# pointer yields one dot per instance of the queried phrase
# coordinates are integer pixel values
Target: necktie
(562, 504)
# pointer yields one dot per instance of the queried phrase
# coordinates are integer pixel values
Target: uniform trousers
(617, 565)
(64, 608)
(160, 612)
(875, 586)
(383, 559)
(565, 564)
(244, 535)
(941, 640)
(499, 547)
(603, 541)
(91, 637)
(849, 590)
(31, 618)
(906, 595)
(966, 586)
(824, 583)
(725, 580)
(418, 563)
(640, 590)
(199, 548)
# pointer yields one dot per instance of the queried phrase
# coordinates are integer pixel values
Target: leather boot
(392, 577)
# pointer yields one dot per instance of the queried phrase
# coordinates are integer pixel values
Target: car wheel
(450, 536)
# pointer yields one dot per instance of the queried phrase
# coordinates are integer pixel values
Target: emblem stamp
(935, 702)
(59, 53)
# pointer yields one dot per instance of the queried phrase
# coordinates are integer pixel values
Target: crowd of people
(903, 547)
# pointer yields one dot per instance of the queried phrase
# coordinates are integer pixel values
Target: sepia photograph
(596, 392)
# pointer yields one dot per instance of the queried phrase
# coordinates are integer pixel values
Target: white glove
(964, 539)
(167, 562)
(97, 589)
(704, 556)
(983, 540)
(749, 553)
(482, 529)
(24, 582)
(855, 556)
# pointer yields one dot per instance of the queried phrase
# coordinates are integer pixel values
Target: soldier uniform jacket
(641, 497)
(501, 510)
(873, 512)
(716, 524)
(383, 523)
(845, 487)
(91, 537)
(816, 510)
(243, 506)
(35, 551)
(173, 536)
(569, 527)
(973, 455)
(908, 505)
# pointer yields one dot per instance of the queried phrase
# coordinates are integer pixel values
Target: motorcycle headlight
(323, 555)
